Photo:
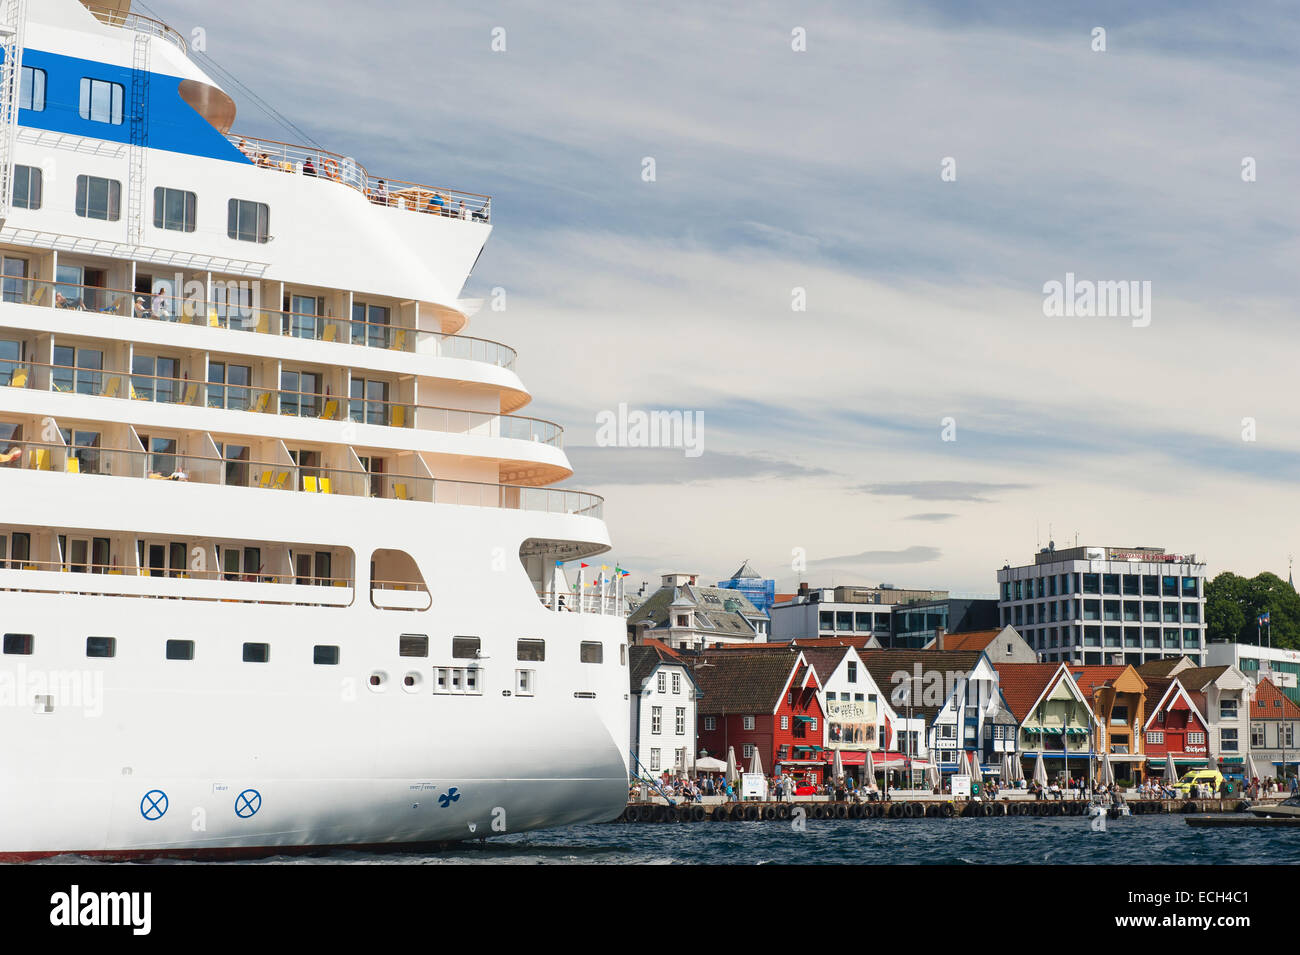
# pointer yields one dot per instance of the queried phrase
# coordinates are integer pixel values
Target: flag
(582, 565)
(1263, 618)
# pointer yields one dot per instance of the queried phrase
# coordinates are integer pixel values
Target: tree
(1233, 604)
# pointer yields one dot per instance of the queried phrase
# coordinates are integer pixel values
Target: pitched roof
(709, 605)
(746, 573)
(1198, 678)
(1023, 684)
(1159, 668)
(738, 682)
(1092, 678)
(644, 659)
(1270, 703)
(884, 665)
(825, 659)
(970, 640)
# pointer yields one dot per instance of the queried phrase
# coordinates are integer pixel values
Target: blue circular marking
(154, 804)
(247, 803)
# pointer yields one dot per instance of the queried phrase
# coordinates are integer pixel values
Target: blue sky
(820, 170)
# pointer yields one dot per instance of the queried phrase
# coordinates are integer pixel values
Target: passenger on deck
(60, 301)
(264, 161)
(307, 168)
(160, 305)
(463, 212)
(13, 454)
(141, 310)
(381, 194)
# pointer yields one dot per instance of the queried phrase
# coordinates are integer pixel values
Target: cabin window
(465, 648)
(591, 652)
(180, 649)
(101, 646)
(19, 644)
(325, 656)
(530, 650)
(174, 209)
(31, 92)
(413, 645)
(27, 187)
(525, 680)
(99, 198)
(257, 652)
(101, 101)
(248, 221)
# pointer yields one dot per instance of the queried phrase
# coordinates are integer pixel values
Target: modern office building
(827, 612)
(1280, 667)
(916, 624)
(1107, 605)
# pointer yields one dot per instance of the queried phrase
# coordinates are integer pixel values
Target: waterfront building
(1002, 645)
(1274, 719)
(1117, 697)
(916, 624)
(760, 591)
(973, 720)
(1107, 605)
(842, 611)
(1175, 726)
(663, 697)
(1279, 666)
(1054, 718)
(1226, 709)
(688, 616)
(755, 701)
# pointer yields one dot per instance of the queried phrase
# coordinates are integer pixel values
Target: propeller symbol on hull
(450, 796)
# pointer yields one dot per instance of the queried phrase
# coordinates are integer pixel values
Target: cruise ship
(281, 566)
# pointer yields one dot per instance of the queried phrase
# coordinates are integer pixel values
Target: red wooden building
(762, 702)
(1175, 726)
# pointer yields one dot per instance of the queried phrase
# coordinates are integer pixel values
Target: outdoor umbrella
(1019, 767)
(756, 764)
(732, 773)
(932, 775)
(1040, 771)
(869, 769)
(975, 768)
(1171, 771)
(1107, 771)
(1006, 769)
(1251, 768)
(710, 764)
(837, 766)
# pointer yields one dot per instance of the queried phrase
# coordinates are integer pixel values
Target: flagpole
(582, 586)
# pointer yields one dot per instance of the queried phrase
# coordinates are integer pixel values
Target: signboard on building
(850, 725)
(753, 785)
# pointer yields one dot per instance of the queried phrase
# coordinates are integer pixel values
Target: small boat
(1288, 808)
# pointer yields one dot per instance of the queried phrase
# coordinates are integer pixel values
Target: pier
(909, 809)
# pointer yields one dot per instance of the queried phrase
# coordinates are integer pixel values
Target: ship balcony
(169, 462)
(363, 406)
(110, 16)
(250, 318)
(392, 193)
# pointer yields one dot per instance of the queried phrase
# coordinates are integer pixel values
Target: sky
(838, 267)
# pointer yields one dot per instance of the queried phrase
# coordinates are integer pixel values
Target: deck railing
(163, 389)
(247, 318)
(333, 167)
(136, 22)
(176, 466)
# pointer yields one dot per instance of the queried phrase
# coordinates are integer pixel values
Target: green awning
(803, 719)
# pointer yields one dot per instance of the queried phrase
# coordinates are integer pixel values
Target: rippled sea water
(1135, 840)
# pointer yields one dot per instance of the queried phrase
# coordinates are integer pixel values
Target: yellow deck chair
(401, 492)
(41, 459)
(263, 400)
(37, 297)
(19, 379)
(281, 481)
(213, 319)
(398, 417)
(325, 486)
(263, 324)
(72, 465)
(331, 333)
(113, 387)
(191, 394)
(309, 484)
(331, 410)
(265, 479)
(399, 340)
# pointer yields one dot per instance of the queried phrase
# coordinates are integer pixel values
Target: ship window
(99, 198)
(27, 187)
(591, 652)
(101, 646)
(465, 648)
(524, 682)
(101, 101)
(180, 649)
(533, 650)
(19, 643)
(325, 656)
(31, 94)
(413, 645)
(174, 209)
(248, 221)
(257, 652)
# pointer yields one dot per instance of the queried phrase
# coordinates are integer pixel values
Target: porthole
(378, 681)
(412, 682)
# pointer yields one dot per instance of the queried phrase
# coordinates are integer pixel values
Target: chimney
(803, 588)
(938, 637)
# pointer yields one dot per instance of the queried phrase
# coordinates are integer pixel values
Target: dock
(1222, 811)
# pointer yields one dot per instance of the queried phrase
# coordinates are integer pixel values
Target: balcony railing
(394, 193)
(246, 318)
(108, 383)
(176, 466)
(136, 22)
